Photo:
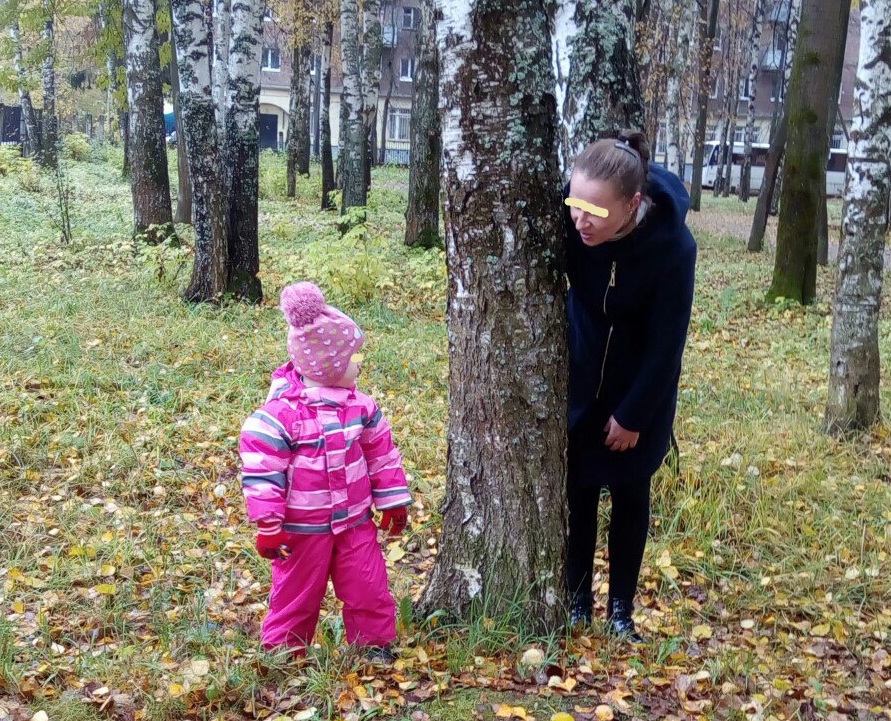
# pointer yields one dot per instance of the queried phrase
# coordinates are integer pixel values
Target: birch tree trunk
(222, 38)
(745, 176)
(708, 23)
(32, 129)
(49, 152)
(371, 81)
(675, 160)
(353, 138)
(597, 83)
(774, 164)
(149, 179)
(327, 159)
(242, 142)
(810, 90)
(183, 212)
(853, 401)
(298, 116)
(504, 509)
(194, 51)
(422, 216)
(382, 144)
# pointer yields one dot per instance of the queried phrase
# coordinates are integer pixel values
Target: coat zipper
(611, 284)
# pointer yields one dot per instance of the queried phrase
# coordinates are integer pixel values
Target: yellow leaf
(603, 713)
(360, 692)
(702, 631)
(107, 589)
(397, 553)
(820, 629)
(176, 690)
(519, 712)
(504, 711)
(107, 570)
(18, 607)
(562, 716)
(422, 655)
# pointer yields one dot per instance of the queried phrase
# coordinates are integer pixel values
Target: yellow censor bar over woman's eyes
(587, 207)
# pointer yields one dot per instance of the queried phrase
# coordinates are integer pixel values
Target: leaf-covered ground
(129, 588)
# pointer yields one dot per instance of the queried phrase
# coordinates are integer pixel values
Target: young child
(315, 457)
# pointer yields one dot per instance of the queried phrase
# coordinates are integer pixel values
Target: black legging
(629, 521)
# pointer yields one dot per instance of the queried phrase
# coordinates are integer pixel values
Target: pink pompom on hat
(321, 339)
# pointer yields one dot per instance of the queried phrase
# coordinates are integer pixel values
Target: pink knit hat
(321, 339)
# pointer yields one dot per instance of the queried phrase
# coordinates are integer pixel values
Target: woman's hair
(623, 161)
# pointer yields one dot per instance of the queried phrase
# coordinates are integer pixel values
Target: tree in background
(708, 23)
(778, 139)
(812, 91)
(149, 179)
(422, 216)
(745, 175)
(242, 149)
(854, 365)
(194, 52)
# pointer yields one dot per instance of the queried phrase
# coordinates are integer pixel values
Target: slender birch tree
(422, 216)
(353, 145)
(853, 401)
(194, 53)
(242, 148)
(149, 179)
(298, 114)
(504, 508)
(328, 184)
(745, 175)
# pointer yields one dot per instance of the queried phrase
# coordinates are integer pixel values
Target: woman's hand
(617, 438)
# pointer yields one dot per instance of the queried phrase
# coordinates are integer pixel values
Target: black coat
(629, 309)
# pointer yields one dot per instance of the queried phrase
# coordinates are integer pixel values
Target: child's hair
(623, 161)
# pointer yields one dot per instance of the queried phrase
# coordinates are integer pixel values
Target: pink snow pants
(355, 563)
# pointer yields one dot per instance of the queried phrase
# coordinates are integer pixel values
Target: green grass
(123, 567)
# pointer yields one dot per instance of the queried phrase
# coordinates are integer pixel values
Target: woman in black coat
(631, 262)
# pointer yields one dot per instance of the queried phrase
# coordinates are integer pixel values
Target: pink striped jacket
(314, 459)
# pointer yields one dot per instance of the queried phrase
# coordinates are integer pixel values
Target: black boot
(618, 620)
(580, 609)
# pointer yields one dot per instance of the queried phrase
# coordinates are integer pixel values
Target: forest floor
(129, 587)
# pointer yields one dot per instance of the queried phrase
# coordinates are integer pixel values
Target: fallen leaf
(603, 713)
(702, 631)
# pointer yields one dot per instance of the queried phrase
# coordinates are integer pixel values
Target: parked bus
(835, 167)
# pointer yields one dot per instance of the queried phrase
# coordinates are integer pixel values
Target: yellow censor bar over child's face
(587, 207)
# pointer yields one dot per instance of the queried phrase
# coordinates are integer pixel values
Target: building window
(744, 88)
(407, 69)
(411, 18)
(272, 59)
(838, 139)
(398, 124)
(739, 134)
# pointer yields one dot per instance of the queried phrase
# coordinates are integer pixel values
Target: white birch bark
(853, 401)
(503, 515)
(222, 37)
(596, 78)
(745, 177)
(675, 159)
(149, 179)
(352, 136)
(242, 144)
(194, 52)
(371, 81)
